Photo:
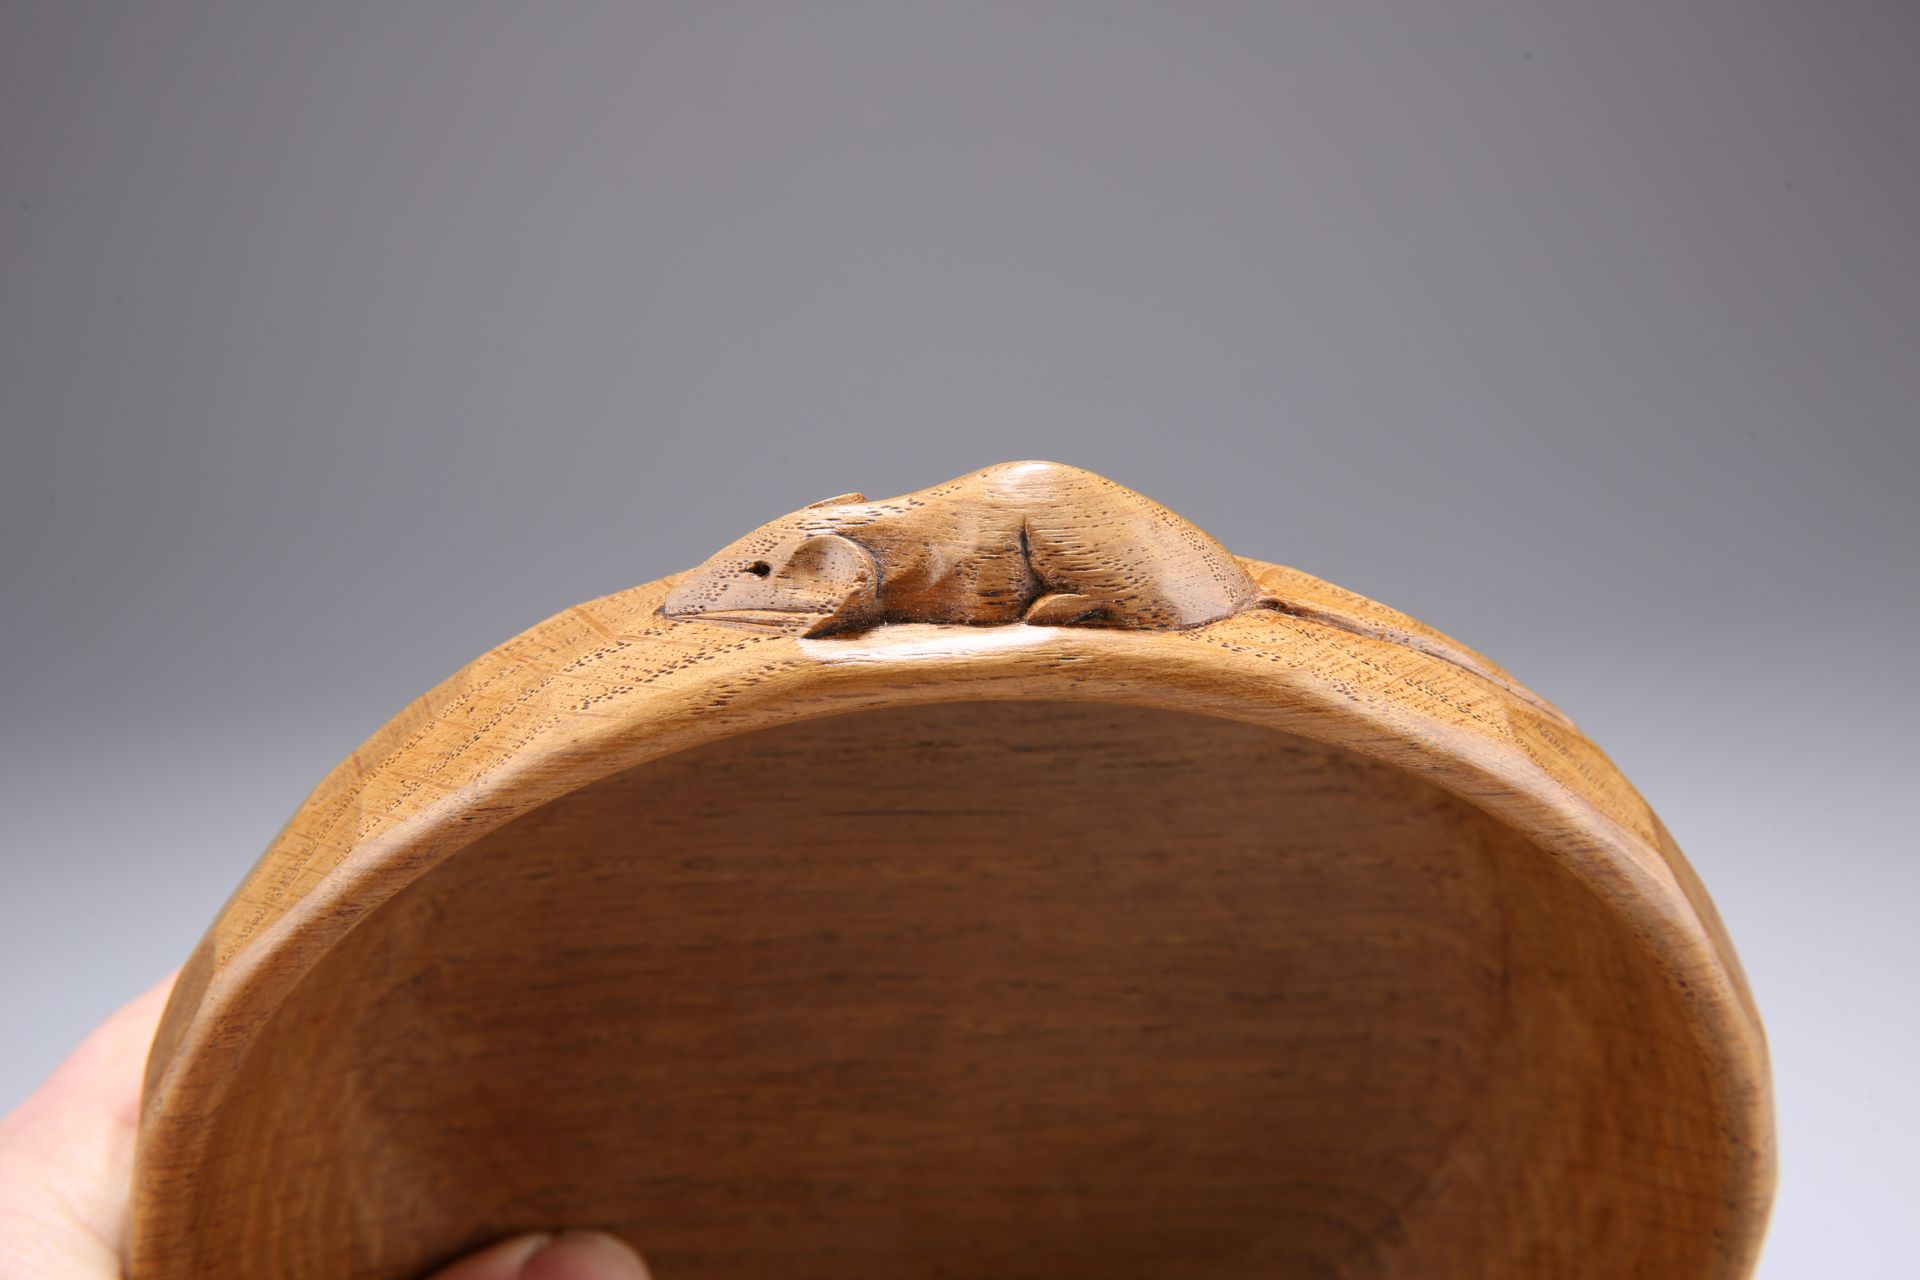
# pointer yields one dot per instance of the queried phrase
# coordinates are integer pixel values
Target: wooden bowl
(997, 881)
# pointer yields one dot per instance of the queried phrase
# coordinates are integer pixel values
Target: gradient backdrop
(340, 341)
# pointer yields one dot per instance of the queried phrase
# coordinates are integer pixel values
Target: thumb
(66, 1154)
(577, 1255)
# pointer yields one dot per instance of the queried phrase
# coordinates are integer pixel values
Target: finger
(66, 1154)
(585, 1255)
(500, 1262)
(577, 1255)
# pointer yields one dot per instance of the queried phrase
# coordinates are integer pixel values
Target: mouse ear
(834, 502)
(841, 577)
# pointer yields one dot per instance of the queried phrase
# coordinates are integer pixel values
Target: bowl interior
(994, 988)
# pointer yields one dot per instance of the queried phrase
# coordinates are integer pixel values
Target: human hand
(66, 1173)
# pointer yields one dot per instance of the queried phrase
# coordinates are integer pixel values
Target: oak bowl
(1299, 941)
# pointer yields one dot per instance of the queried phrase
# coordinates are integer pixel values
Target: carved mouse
(1035, 541)
(1039, 542)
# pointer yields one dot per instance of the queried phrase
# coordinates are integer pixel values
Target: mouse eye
(759, 568)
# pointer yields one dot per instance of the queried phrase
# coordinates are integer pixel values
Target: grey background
(339, 342)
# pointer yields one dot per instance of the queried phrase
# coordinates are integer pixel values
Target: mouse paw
(1062, 608)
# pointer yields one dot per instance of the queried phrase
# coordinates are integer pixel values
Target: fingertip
(585, 1255)
(573, 1255)
(503, 1261)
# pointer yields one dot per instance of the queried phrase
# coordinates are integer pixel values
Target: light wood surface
(1298, 940)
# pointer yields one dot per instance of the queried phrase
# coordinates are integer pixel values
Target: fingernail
(585, 1255)
(501, 1261)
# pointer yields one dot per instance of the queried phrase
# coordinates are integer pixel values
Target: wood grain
(1302, 941)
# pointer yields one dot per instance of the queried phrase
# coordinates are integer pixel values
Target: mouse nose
(684, 597)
